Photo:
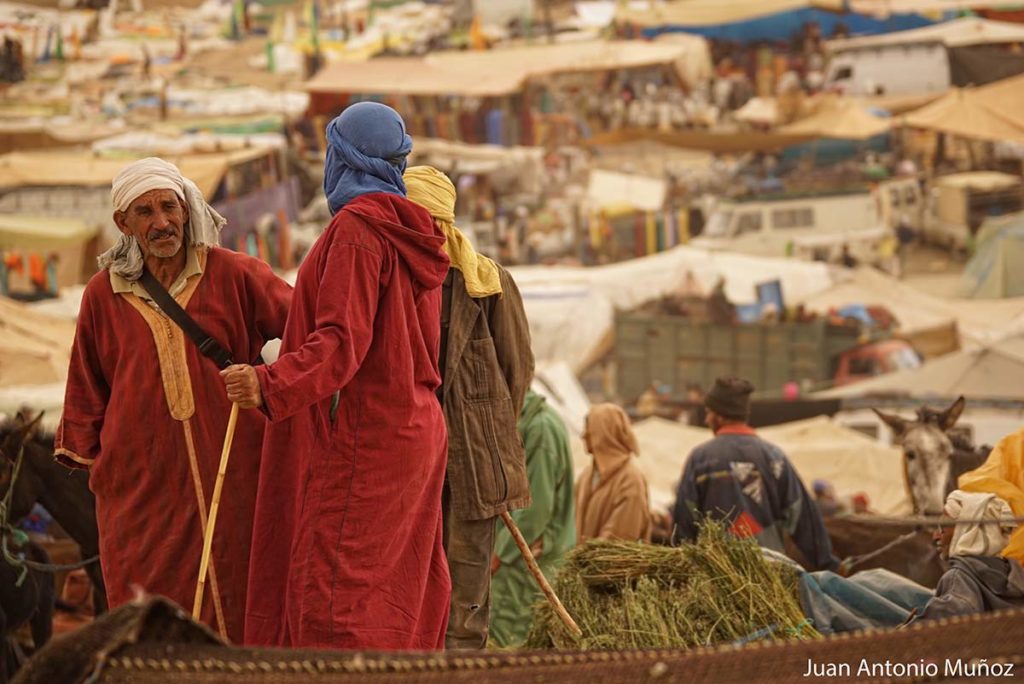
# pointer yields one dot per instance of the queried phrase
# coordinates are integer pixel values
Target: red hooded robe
(347, 548)
(146, 412)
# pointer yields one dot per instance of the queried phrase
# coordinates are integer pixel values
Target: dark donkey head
(17, 434)
(927, 454)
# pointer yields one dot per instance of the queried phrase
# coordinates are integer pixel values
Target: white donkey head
(927, 454)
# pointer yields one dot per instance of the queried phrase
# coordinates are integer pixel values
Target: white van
(814, 227)
(911, 69)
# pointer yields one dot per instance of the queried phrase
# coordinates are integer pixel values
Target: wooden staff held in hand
(243, 390)
(531, 563)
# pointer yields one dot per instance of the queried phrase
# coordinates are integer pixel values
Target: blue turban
(367, 148)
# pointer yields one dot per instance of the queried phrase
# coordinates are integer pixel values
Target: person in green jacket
(548, 525)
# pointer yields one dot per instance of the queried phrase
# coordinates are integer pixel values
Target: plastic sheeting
(995, 269)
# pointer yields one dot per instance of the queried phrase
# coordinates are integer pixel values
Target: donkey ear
(898, 425)
(948, 418)
(26, 424)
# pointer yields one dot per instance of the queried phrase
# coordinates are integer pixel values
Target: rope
(920, 521)
(932, 520)
(853, 561)
(8, 531)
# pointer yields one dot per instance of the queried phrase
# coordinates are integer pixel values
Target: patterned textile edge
(950, 650)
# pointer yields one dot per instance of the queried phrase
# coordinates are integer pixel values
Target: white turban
(204, 224)
(971, 538)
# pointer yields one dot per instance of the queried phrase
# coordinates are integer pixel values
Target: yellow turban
(432, 190)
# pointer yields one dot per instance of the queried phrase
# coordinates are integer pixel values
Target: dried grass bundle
(627, 595)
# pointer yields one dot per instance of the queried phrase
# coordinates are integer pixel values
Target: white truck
(959, 203)
(810, 227)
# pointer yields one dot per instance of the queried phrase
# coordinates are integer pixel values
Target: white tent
(956, 33)
(920, 314)
(819, 449)
(993, 371)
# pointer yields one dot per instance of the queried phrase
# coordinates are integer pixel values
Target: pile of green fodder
(627, 595)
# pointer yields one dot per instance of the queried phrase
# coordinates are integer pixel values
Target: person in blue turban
(347, 548)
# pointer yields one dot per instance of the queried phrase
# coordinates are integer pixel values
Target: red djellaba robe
(147, 414)
(347, 551)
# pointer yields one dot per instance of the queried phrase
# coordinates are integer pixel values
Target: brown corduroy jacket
(487, 368)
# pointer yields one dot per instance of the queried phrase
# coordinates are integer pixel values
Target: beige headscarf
(611, 438)
(434, 191)
(125, 257)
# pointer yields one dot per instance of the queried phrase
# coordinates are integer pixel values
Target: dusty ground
(934, 271)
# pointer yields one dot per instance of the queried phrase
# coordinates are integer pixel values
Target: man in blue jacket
(747, 482)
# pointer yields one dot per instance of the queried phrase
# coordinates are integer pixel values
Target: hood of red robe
(410, 229)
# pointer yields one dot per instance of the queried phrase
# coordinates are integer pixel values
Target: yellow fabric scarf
(432, 190)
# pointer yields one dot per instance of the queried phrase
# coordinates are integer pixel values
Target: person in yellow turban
(486, 367)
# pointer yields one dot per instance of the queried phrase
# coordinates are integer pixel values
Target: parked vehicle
(960, 203)
(901, 200)
(677, 351)
(908, 69)
(809, 227)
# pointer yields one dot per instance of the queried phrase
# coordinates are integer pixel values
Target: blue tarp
(868, 599)
(787, 25)
(826, 152)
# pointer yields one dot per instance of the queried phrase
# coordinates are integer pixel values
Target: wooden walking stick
(211, 520)
(531, 562)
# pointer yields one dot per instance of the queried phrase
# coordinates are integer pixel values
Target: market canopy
(43, 232)
(718, 143)
(84, 169)
(957, 33)
(843, 120)
(961, 112)
(753, 20)
(489, 73)
(615, 192)
(1005, 96)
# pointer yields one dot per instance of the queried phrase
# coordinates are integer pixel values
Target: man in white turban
(145, 411)
(981, 577)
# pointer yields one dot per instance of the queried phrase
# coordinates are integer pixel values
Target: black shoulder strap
(208, 346)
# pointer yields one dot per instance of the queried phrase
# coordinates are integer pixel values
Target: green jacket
(548, 525)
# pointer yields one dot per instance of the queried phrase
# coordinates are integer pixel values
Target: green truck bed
(679, 352)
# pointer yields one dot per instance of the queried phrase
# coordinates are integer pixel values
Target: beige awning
(961, 112)
(843, 120)
(83, 169)
(489, 72)
(43, 232)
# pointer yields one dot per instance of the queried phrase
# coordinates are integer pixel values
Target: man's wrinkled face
(156, 220)
(942, 537)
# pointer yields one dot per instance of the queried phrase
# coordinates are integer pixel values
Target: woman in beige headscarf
(612, 500)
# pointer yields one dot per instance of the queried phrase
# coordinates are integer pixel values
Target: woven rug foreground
(155, 641)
